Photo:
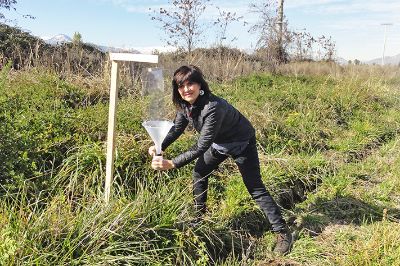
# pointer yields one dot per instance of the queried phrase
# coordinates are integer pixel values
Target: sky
(354, 25)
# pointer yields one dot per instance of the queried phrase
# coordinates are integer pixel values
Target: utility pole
(280, 20)
(280, 30)
(384, 41)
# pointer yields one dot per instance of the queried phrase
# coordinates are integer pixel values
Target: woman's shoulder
(214, 99)
(215, 104)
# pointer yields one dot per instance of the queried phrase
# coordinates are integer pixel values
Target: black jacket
(215, 119)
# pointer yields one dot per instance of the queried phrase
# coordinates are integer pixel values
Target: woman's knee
(253, 182)
(201, 170)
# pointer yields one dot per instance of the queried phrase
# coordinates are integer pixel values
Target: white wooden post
(111, 129)
(115, 57)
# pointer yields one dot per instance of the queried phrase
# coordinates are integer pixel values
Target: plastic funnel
(158, 130)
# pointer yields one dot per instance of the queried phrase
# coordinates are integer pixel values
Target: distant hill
(341, 61)
(389, 60)
(111, 49)
(65, 39)
(25, 50)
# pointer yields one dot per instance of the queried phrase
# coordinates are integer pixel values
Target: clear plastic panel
(156, 124)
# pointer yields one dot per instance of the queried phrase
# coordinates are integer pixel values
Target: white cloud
(143, 9)
(309, 3)
(346, 7)
(354, 24)
(351, 15)
(240, 7)
(136, 6)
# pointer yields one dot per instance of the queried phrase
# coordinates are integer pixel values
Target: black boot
(284, 242)
(196, 222)
(198, 216)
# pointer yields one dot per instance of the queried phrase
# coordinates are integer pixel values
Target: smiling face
(187, 83)
(189, 91)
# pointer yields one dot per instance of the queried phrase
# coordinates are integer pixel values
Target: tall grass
(328, 152)
(69, 223)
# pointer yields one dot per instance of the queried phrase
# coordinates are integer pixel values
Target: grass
(329, 155)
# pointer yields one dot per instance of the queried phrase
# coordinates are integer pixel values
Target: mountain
(341, 61)
(58, 39)
(62, 38)
(389, 60)
(111, 49)
(138, 50)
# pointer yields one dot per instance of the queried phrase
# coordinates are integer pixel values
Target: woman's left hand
(162, 164)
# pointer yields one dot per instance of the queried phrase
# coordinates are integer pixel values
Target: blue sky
(355, 25)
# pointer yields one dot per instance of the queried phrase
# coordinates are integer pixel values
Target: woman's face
(189, 91)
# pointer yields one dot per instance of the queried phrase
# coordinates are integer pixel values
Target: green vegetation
(329, 149)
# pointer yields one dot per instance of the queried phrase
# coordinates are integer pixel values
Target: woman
(224, 132)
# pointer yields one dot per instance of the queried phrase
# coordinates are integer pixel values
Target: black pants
(249, 167)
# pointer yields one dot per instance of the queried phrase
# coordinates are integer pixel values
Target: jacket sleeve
(211, 126)
(180, 123)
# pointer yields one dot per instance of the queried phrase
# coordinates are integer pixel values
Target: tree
(9, 5)
(181, 22)
(225, 18)
(280, 44)
(272, 29)
(77, 39)
(328, 46)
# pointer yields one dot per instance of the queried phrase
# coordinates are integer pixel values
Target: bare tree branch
(9, 5)
(181, 22)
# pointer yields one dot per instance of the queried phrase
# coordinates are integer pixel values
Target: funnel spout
(158, 130)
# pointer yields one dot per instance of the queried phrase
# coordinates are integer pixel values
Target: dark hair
(188, 73)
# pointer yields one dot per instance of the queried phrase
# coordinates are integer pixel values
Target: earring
(201, 92)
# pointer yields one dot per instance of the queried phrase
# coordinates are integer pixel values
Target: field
(329, 146)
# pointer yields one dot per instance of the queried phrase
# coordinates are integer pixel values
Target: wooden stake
(112, 118)
(111, 130)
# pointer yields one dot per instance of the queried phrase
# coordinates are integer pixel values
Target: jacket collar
(194, 109)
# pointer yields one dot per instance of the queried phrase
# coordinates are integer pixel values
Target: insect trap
(155, 123)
